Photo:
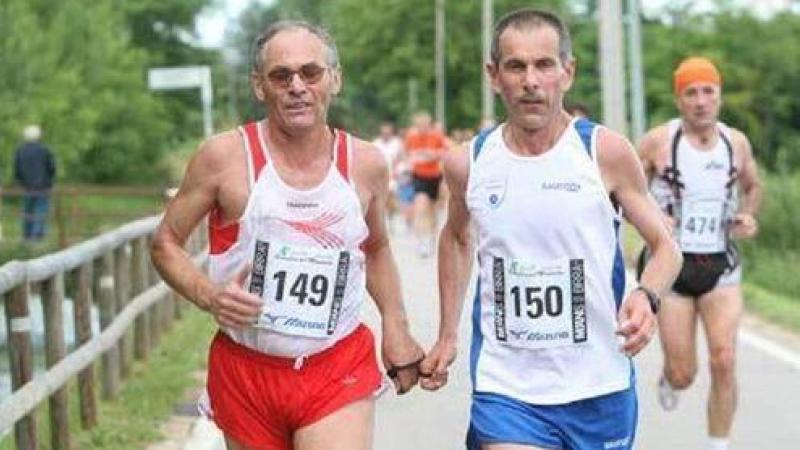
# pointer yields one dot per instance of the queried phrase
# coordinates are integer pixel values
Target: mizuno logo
(714, 165)
(273, 320)
(518, 335)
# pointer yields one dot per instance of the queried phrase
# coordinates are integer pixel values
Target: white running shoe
(667, 395)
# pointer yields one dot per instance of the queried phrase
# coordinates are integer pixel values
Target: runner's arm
(455, 244)
(752, 190)
(625, 179)
(194, 199)
(455, 265)
(399, 349)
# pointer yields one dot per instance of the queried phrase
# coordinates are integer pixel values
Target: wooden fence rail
(113, 272)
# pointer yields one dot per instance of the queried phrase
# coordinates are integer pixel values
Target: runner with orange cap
(703, 175)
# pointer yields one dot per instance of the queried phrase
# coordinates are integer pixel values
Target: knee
(681, 376)
(723, 363)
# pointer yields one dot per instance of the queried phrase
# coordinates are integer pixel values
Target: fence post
(141, 339)
(122, 287)
(60, 222)
(108, 310)
(83, 333)
(18, 324)
(55, 350)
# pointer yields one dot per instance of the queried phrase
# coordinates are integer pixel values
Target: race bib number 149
(302, 288)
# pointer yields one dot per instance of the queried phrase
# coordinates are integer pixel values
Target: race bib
(702, 225)
(539, 305)
(302, 288)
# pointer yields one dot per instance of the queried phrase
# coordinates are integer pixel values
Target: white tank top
(304, 246)
(551, 274)
(700, 196)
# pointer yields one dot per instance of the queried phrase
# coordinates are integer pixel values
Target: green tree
(72, 66)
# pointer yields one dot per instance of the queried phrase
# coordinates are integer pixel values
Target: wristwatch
(652, 297)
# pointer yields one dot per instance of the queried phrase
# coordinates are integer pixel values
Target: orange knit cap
(695, 69)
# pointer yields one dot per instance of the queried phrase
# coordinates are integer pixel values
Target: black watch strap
(652, 297)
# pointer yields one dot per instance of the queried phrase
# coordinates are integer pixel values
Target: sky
(213, 21)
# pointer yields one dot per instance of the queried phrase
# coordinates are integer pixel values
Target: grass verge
(146, 399)
(773, 307)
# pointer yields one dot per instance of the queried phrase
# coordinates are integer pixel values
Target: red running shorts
(260, 400)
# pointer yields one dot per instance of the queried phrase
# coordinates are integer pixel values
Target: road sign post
(189, 77)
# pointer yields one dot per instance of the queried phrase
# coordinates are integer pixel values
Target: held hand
(232, 306)
(434, 368)
(637, 323)
(401, 357)
(744, 226)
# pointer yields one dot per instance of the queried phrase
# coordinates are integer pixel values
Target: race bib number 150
(539, 305)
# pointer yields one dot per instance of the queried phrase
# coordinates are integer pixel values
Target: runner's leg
(721, 311)
(677, 326)
(349, 428)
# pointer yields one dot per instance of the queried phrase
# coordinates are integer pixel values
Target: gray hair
(531, 18)
(32, 133)
(276, 27)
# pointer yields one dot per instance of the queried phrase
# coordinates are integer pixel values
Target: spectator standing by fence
(34, 170)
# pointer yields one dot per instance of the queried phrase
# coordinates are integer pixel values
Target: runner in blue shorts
(553, 332)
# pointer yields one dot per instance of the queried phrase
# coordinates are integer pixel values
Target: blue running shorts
(607, 422)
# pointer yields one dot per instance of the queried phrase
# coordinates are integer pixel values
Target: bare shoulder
(455, 164)
(653, 141)
(215, 153)
(612, 147)
(369, 166)
(617, 160)
(367, 158)
(740, 142)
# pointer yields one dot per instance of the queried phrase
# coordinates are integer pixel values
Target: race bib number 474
(702, 227)
(539, 305)
(302, 288)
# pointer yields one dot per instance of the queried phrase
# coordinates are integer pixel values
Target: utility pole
(638, 109)
(440, 76)
(487, 105)
(612, 64)
(413, 96)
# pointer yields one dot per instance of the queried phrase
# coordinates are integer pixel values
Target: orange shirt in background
(432, 141)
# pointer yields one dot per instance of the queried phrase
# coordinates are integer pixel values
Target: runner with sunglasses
(297, 235)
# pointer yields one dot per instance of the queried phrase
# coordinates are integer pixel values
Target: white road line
(770, 347)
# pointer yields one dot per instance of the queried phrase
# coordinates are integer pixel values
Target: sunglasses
(310, 73)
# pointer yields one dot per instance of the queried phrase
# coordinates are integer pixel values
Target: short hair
(257, 54)
(32, 133)
(531, 18)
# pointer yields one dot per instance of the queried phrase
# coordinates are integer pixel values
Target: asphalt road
(769, 377)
